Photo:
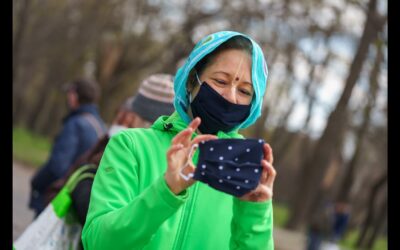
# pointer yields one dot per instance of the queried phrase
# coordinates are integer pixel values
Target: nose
(230, 95)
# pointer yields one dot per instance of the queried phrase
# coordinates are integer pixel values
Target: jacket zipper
(181, 232)
(185, 218)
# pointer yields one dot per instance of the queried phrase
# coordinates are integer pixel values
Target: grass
(281, 214)
(351, 237)
(30, 148)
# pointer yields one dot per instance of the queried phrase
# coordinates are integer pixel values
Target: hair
(236, 42)
(88, 91)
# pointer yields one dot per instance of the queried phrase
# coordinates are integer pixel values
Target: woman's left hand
(264, 190)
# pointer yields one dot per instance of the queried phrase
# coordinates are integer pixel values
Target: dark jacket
(79, 133)
(81, 194)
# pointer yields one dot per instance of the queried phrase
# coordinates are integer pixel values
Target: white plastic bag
(57, 227)
(327, 245)
(49, 232)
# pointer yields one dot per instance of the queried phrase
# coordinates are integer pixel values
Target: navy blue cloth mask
(215, 111)
(232, 166)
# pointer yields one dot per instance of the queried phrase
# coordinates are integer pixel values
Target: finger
(258, 192)
(195, 123)
(201, 138)
(182, 136)
(265, 192)
(271, 175)
(185, 135)
(173, 149)
(264, 174)
(268, 153)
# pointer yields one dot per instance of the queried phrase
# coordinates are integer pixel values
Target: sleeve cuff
(168, 196)
(255, 210)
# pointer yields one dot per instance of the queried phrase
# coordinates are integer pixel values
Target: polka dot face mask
(232, 166)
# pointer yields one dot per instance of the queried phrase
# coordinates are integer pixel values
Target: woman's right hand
(177, 157)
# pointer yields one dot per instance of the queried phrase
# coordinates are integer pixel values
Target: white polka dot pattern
(232, 166)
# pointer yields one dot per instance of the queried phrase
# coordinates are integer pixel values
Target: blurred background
(325, 109)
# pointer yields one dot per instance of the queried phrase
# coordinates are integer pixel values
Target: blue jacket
(76, 137)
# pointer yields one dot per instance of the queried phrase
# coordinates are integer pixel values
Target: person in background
(139, 199)
(327, 226)
(153, 99)
(81, 129)
(341, 220)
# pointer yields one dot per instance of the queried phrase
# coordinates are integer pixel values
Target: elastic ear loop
(198, 79)
(190, 93)
(190, 175)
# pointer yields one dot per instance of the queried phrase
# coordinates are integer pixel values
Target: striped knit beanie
(155, 97)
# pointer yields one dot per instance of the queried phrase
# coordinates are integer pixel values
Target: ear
(73, 99)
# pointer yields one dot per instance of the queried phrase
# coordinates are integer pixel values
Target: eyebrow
(227, 74)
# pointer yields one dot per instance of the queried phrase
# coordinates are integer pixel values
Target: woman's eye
(246, 92)
(221, 82)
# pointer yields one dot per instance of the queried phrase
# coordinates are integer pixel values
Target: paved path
(22, 216)
(288, 240)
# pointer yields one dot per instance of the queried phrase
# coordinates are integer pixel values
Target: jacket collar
(85, 108)
(174, 123)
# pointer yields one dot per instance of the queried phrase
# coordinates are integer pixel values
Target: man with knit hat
(153, 99)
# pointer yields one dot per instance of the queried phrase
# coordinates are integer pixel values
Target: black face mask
(216, 112)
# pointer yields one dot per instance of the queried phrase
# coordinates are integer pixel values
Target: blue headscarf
(259, 74)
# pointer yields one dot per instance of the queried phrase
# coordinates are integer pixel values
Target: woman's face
(230, 75)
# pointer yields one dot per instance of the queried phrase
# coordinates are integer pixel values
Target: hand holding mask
(232, 166)
(179, 154)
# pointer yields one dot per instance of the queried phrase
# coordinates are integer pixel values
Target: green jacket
(131, 206)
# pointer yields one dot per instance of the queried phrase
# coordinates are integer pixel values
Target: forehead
(232, 61)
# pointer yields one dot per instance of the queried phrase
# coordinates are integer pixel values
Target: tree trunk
(23, 17)
(19, 94)
(57, 74)
(310, 89)
(345, 189)
(369, 218)
(259, 127)
(42, 124)
(377, 225)
(330, 143)
(277, 138)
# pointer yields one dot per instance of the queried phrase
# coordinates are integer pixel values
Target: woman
(139, 199)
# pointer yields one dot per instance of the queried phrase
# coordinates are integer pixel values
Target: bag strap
(62, 202)
(77, 176)
(80, 178)
(95, 124)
